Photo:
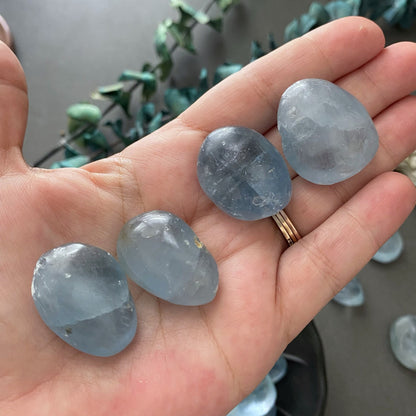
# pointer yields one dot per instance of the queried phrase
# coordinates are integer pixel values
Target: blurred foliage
(86, 124)
(395, 12)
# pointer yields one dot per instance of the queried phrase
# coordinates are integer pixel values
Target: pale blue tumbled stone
(162, 254)
(261, 402)
(351, 295)
(279, 370)
(327, 134)
(390, 250)
(403, 340)
(243, 173)
(81, 293)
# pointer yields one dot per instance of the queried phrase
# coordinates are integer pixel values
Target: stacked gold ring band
(287, 228)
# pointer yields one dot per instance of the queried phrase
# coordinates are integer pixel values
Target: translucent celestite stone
(403, 340)
(243, 173)
(351, 295)
(279, 370)
(81, 293)
(162, 254)
(327, 134)
(390, 250)
(261, 402)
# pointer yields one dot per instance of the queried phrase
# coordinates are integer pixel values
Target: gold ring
(286, 227)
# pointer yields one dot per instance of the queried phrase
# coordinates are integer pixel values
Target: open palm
(199, 360)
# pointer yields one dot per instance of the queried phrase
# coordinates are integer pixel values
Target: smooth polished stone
(81, 293)
(261, 402)
(351, 295)
(327, 134)
(163, 255)
(279, 370)
(403, 340)
(390, 250)
(243, 173)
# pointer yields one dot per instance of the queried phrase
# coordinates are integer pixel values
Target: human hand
(200, 360)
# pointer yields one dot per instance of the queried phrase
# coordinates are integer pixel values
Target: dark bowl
(303, 391)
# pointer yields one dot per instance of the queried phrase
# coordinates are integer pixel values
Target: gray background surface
(68, 48)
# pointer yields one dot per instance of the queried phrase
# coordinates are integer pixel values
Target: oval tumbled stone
(327, 134)
(81, 293)
(162, 254)
(243, 173)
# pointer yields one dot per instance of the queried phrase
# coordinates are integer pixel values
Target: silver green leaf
(147, 78)
(82, 113)
(225, 70)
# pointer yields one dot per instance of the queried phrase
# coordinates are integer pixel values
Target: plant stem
(70, 138)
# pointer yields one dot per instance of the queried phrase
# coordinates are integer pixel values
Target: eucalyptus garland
(87, 137)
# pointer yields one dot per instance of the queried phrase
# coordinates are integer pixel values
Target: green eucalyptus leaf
(117, 128)
(203, 86)
(176, 101)
(356, 6)
(140, 76)
(292, 30)
(256, 50)
(146, 112)
(192, 93)
(319, 13)
(114, 93)
(124, 101)
(306, 23)
(72, 162)
(155, 123)
(272, 42)
(224, 5)
(96, 140)
(149, 88)
(338, 9)
(166, 64)
(108, 92)
(148, 79)
(84, 112)
(111, 89)
(70, 151)
(143, 117)
(79, 114)
(225, 70)
(133, 135)
(182, 35)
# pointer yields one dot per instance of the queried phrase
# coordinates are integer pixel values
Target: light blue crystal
(279, 370)
(261, 402)
(162, 254)
(327, 134)
(390, 250)
(351, 295)
(81, 293)
(243, 173)
(403, 340)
